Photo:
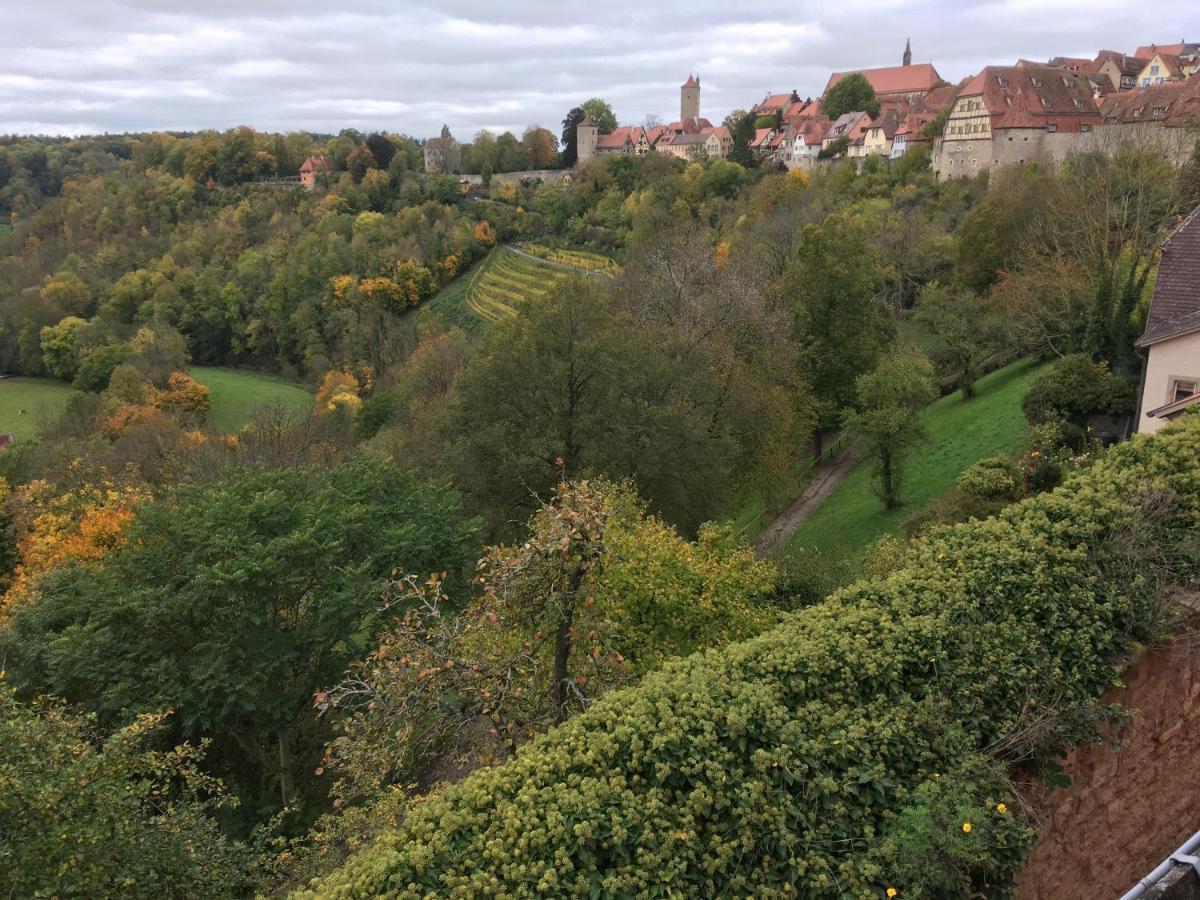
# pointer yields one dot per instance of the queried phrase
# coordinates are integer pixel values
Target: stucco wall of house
(1165, 364)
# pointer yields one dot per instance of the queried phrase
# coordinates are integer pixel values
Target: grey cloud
(130, 65)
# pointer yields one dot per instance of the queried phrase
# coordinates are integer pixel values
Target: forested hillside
(321, 501)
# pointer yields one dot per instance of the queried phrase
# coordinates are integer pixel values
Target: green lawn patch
(27, 403)
(960, 434)
(236, 395)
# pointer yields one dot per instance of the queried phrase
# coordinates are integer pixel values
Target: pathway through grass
(853, 517)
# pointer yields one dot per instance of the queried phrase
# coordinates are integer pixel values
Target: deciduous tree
(886, 420)
(852, 93)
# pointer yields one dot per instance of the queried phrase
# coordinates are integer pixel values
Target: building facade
(1171, 342)
(1014, 114)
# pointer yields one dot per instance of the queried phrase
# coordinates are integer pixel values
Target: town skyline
(297, 67)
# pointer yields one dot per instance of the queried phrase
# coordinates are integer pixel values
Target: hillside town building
(443, 155)
(1171, 343)
(903, 82)
(1014, 114)
(311, 168)
(691, 136)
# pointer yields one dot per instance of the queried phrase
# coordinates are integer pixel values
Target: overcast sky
(76, 66)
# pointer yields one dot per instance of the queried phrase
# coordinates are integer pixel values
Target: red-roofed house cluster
(1004, 114)
(1014, 114)
(690, 137)
(910, 97)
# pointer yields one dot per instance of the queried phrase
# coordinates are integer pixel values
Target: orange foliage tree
(338, 389)
(81, 525)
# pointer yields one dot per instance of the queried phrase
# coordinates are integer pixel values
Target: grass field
(960, 434)
(42, 399)
(237, 394)
(497, 287)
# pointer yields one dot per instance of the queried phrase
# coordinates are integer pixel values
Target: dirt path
(825, 478)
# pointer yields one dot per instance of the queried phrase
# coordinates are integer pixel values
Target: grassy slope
(41, 398)
(236, 394)
(959, 434)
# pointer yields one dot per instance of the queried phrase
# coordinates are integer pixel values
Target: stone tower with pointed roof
(908, 51)
(689, 99)
(586, 134)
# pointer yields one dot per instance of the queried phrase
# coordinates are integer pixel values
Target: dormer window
(1137, 113)
(1079, 104)
(1037, 82)
(1069, 82)
(1158, 110)
(1002, 81)
(1045, 103)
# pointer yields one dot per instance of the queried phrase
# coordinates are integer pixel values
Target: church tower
(907, 51)
(586, 133)
(689, 99)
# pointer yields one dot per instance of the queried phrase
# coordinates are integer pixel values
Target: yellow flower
(967, 827)
(1001, 808)
(891, 892)
(936, 775)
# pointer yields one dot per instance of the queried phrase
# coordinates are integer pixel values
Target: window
(1046, 102)
(1137, 113)
(1037, 82)
(1154, 70)
(1085, 127)
(1182, 390)
(1002, 80)
(1145, 82)
(1052, 127)
(1079, 104)
(1158, 110)
(1069, 82)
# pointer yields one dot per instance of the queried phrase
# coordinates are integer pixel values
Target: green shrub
(783, 765)
(994, 478)
(88, 814)
(377, 411)
(1073, 388)
(97, 366)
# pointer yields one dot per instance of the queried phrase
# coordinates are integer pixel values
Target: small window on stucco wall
(1182, 389)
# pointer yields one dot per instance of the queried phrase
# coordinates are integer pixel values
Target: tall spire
(907, 51)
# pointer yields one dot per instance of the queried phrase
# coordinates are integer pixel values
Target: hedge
(773, 767)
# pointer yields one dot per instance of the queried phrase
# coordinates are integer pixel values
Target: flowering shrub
(776, 766)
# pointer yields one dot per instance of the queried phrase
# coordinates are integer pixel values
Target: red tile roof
(1051, 96)
(316, 164)
(692, 81)
(812, 130)
(620, 137)
(1147, 52)
(894, 79)
(761, 136)
(1129, 65)
(1177, 104)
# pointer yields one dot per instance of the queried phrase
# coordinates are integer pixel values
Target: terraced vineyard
(576, 259)
(509, 277)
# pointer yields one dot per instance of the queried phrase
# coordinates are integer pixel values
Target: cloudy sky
(75, 66)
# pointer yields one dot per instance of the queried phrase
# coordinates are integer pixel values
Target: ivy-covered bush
(994, 478)
(799, 763)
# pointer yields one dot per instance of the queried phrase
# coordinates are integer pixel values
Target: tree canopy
(852, 93)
